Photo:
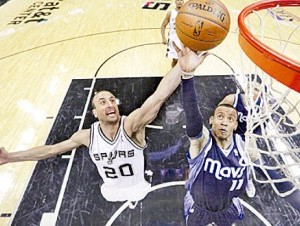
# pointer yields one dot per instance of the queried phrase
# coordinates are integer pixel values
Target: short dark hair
(92, 99)
(225, 105)
(98, 91)
(254, 78)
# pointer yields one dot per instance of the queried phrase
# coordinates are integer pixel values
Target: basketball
(202, 24)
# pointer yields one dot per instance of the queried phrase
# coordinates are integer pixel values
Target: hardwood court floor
(77, 40)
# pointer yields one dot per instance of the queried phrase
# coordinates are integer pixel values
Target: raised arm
(195, 130)
(144, 115)
(138, 119)
(42, 152)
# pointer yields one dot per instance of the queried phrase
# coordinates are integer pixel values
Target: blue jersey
(242, 111)
(216, 176)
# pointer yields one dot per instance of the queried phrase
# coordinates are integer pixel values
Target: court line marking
(51, 218)
(75, 38)
(261, 217)
(154, 127)
(180, 183)
(12, 217)
(126, 204)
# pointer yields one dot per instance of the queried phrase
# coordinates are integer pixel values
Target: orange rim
(277, 65)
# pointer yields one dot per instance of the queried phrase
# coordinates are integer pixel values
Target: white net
(273, 122)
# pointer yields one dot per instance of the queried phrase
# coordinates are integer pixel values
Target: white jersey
(172, 36)
(120, 163)
(172, 31)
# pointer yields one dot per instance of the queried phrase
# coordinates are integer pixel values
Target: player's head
(256, 82)
(224, 121)
(179, 3)
(105, 107)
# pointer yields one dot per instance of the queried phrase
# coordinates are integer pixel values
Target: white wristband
(187, 75)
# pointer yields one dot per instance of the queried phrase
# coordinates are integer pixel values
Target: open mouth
(223, 130)
(111, 112)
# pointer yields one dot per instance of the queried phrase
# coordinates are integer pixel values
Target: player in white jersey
(120, 162)
(116, 143)
(172, 35)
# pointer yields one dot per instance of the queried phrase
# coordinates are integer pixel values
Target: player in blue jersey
(238, 101)
(216, 177)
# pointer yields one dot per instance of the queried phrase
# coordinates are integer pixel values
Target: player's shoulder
(82, 137)
(82, 132)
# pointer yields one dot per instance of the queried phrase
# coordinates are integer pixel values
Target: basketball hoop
(265, 58)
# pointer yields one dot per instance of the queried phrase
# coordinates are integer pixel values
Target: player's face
(105, 107)
(256, 87)
(179, 3)
(224, 122)
(256, 90)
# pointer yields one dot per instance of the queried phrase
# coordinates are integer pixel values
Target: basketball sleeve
(194, 123)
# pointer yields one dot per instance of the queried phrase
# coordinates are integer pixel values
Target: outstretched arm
(194, 122)
(138, 119)
(42, 152)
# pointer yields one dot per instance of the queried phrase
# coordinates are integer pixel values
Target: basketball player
(172, 36)
(238, 101)
(216, 178)
(116, 142)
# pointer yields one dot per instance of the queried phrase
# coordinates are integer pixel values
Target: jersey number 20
(123, 170)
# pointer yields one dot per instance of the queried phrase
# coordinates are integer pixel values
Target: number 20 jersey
(120, 162)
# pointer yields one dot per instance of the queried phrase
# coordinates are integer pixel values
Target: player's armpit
(196, 145)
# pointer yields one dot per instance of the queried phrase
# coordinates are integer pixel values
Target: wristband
(187, 75)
